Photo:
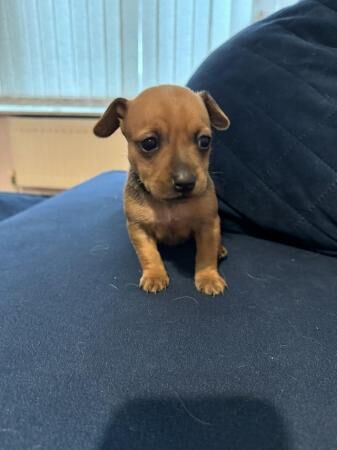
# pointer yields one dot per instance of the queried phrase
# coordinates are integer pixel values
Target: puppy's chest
(172, 225)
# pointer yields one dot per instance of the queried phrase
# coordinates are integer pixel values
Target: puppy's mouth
(175, 197)
(183, 196)
(169, 195)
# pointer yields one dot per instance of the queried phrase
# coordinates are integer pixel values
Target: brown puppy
(169, 195)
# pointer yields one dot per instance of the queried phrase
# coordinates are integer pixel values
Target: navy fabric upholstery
(12, 203)
(90, 362)
(276, 168)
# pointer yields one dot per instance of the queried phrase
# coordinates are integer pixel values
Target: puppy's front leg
(154, 277)
(207, 278)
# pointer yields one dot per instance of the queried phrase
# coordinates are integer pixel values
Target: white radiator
(57, 153)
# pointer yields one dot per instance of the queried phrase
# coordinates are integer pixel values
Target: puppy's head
(168, 129)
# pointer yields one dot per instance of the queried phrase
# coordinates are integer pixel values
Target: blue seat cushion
(13, 203)
(90, 362)
(276, 168)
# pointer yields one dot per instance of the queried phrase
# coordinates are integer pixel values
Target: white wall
(6, 163)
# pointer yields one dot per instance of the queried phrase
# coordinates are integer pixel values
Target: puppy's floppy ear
(110, 120)
(218, 118)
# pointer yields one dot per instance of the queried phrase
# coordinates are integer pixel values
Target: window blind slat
(49, 51)
(202, 11)
(220, 22)
(81, 48)
(148, 55)
(183, 41)
(241, 15)
(8, 57)
(166, 33)
(63, 42)
(32, 46)
(129, 32)
(97, 60)
(113, 44)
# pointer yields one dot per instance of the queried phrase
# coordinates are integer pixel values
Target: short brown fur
(155, 211)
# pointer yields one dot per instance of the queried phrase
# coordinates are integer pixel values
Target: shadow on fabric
(181, 256)
(212, 423)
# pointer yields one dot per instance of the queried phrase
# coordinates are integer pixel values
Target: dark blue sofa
(90, 362)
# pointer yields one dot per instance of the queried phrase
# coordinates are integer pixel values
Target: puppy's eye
(204, 142)
(149, 144)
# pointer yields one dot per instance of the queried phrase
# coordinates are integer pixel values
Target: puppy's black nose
(184, 181)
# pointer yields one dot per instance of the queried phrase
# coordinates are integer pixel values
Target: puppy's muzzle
(183, 181)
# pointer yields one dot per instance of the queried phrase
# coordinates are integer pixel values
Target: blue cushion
(90, 362)
(276, 168)
(13, 203)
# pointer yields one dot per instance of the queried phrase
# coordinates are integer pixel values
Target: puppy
(169, 195)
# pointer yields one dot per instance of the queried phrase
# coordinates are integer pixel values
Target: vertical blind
(92, 49)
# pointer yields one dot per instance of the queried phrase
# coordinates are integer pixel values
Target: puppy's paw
(154, 281)
(222, 253)
(210, 282)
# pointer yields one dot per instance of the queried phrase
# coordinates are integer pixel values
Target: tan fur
(155, 211)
